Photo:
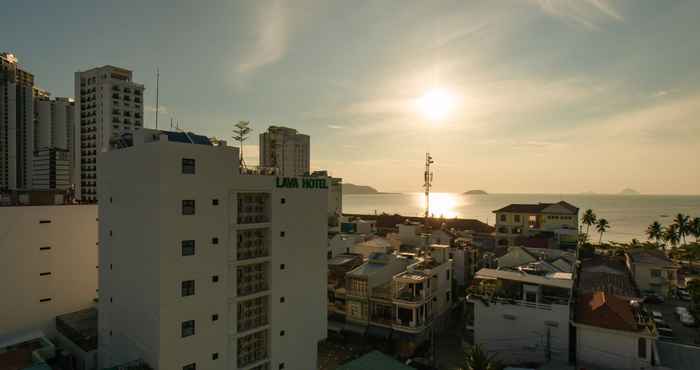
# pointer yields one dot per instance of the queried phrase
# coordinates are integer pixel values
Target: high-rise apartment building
(16, 124)
(54, 137)
(202, 267)
(285, 149)
(108, 104)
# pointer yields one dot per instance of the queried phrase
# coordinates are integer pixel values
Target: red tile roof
(605, 311)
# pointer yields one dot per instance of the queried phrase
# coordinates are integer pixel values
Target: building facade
(653, 271)
(206, 268)
(51, 169)
(517, 222)
(54, 148)
(49, 256)
(108, 103)
(16, 124)
(285, 149)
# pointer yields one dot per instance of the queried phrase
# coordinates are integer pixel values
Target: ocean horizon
(629, 215)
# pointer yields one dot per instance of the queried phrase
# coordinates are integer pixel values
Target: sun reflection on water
(441, 204)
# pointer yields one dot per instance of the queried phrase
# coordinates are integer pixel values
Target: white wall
(610, 349)
(521, 335)
(147, 224)
(72, 262)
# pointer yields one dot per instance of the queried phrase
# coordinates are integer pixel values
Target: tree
(695, 229)
(682, 223)
(589, 219)
(671, 235)
(602, 226)
(475, 358)
(655, 232)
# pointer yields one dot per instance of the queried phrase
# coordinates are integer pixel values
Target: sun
(436, 104)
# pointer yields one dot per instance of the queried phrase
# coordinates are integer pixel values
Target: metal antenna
(240, 134)
(428, 177)
(157, 91)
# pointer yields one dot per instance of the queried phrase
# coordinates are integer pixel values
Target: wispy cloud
(588, 13)
(335, 127)
(271, 37)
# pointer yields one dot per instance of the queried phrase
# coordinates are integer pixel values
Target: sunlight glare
(441, 205)
(436, 104)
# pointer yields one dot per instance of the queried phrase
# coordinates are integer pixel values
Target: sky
(548, 96)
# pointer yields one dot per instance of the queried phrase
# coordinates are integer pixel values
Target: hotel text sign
(304, 182)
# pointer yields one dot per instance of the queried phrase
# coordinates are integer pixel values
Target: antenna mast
(157, 91)
(428, 177)
(240, 134)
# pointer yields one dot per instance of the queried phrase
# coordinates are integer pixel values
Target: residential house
(537, 260)
(516, 223)
(652, 270)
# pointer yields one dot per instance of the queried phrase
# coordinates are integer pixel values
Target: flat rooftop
(557, 280)
(80, 327)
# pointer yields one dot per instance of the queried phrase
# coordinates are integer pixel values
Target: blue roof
(187, 138)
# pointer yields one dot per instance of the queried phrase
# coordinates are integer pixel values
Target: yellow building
(516, 222)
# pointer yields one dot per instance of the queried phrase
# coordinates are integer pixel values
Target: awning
(379, 332)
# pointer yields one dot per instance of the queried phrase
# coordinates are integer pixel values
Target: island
(628, 191)
(475, 192)
(349, 189)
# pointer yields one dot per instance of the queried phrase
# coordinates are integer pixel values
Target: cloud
(162, 109)
(335, 127)
(588, 13)
(271, 38)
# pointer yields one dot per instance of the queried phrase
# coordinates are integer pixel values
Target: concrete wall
(71, 261)
(519, 333)
(610, 349)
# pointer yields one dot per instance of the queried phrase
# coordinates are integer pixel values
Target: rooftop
(606, 311)
(651, 257)
(536, 208)
(375, 360)
(343, 259)
(558, 280)
(606, 274)
(80, 327)
(386, 221)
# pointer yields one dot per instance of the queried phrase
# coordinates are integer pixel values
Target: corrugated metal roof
(558, 280)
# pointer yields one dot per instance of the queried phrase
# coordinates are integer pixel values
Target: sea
(629, 215)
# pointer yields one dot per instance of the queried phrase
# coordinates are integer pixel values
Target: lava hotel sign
(305, 183)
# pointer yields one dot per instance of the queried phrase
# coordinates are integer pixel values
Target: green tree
(602, 226)
(671, 235)
(682, 223)
(655, 232)
(695, 229)
(475, 358)
(589, 219)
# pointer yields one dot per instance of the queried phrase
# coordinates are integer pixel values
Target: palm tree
(682, 225)
(695, 229)
(671, 235)
(601, 226)
(589, 219)
(475, 358)
(655, 231)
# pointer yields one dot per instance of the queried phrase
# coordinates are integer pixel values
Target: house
(518, 221)
(538, 259)
(338, 267)
(371, 245)
(652, 270)
(339, 243)
(524, 317)
(612, 329)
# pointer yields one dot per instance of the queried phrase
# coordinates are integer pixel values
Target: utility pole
(240, 134)
(157, 91)
(428, 178)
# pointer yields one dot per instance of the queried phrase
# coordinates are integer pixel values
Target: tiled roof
(605, 311)
(651, 257)
(385, 221)
(535, 208)
(606, 274)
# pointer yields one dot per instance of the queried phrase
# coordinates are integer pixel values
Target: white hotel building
(107, 104)
(203, 267)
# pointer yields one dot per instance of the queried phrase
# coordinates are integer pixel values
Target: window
(282, 266)
(44, 248)
(503, 218)
(656, 273)
(45, 300)
(44, 274)
(447, 275)
(516, 218)
(188, 166)
(187, 328)
(281, 299)
(281, 234)
(188, 247)
(188, 207)
(191, 366)
(214, 356)
(187, 288)
(214, 317)
(447, 296)
(642, 348)
(45, 221)
(215, 279)
(531, 296)
(215, 240)
(281, 366)
(281, 333)
(214, 202)
(283, 201)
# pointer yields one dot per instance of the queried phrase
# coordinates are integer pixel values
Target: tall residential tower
(285, 149)
(109, 104)
(16, 124)
(54, 138)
